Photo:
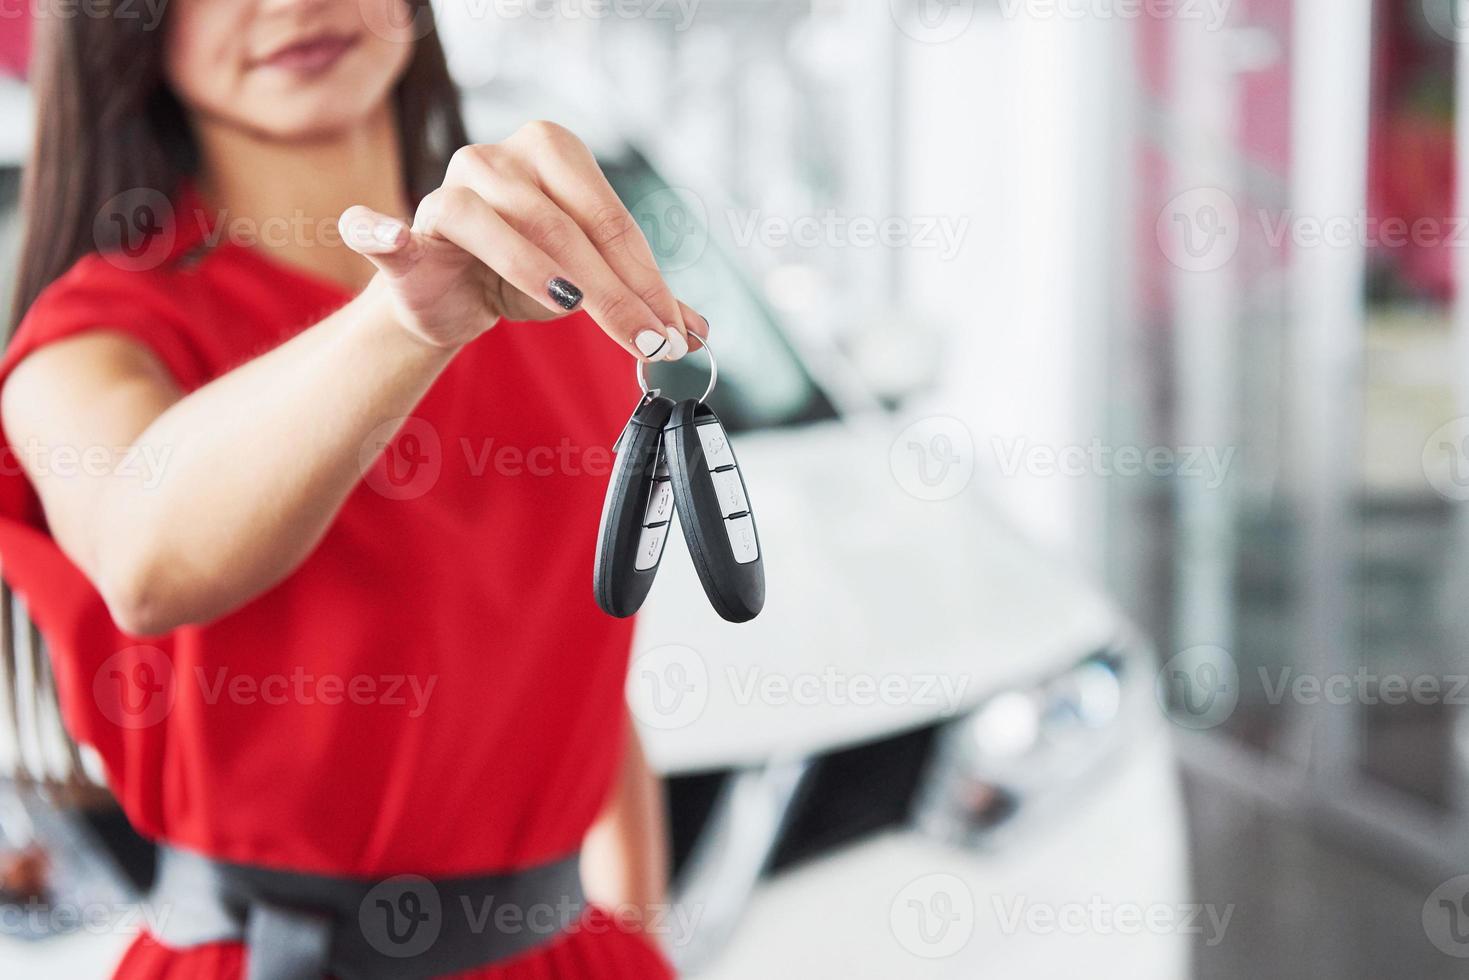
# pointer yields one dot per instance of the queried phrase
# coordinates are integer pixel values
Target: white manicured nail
(651, 343)
(387, 231)
(677, 346)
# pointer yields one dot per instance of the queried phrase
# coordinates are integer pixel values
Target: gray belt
(305, 926)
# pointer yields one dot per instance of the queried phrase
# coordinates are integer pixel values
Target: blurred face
(288, 69)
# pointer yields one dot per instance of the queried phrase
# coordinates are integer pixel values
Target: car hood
(882, 612)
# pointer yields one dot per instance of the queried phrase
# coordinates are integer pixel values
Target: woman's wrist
(380, 320)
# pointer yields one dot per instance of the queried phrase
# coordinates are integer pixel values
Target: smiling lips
(309, 57)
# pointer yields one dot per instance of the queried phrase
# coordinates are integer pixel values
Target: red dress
(433, 691)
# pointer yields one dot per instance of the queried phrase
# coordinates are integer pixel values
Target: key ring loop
(713, 373)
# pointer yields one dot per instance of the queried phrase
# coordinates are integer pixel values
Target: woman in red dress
(310, 484)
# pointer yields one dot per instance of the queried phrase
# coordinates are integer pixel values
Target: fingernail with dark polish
(564, 294)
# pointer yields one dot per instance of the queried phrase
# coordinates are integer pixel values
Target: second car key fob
(714, 511)
(637, 512)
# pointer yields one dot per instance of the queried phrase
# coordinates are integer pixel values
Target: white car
(937, 752)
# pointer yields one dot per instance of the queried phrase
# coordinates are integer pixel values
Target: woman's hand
(527, 229)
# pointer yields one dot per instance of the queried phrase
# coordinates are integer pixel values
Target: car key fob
(637, 512)
(714, 511)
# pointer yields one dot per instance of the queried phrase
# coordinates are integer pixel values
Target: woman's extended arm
(244, 475)
(257, 463)
(625, 855)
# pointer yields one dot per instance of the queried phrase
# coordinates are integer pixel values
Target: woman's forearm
(625, 857)
(254, 467)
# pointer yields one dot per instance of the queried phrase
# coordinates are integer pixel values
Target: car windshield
(762, 382)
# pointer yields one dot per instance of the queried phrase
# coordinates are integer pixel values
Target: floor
(1303, 908)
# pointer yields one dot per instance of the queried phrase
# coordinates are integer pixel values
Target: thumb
(382, 240)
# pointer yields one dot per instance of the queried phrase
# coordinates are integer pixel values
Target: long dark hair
(107, 123)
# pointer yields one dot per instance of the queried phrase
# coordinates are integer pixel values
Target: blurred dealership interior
(1171, 286)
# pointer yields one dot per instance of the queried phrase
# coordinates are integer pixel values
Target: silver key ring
(713, 374)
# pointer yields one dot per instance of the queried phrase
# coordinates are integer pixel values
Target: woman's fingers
(571, 178)
(458, 215)
(697, 323)
(381, 239)
(609, 300)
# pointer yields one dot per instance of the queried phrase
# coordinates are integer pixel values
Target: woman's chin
(305, 121)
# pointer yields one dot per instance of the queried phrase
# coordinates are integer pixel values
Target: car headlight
(1024, 750)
